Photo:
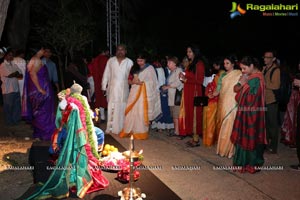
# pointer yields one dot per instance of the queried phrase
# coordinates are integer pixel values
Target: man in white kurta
(115, 85)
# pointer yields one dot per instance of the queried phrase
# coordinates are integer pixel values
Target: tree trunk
(19, 24)
(3, 11)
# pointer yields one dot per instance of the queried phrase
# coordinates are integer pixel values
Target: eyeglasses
(267, 57)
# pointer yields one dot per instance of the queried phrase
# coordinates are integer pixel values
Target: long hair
(233, 59)
(197, 57)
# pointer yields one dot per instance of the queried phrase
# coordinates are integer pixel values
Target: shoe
(181, 137)
(251, 169)
(172, 134)
(295, 167)
(193, 143)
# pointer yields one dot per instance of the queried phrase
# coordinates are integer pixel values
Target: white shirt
(21, 64)
(9, 85)
(115, 79)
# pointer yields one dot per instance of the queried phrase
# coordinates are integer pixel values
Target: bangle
(239, 83)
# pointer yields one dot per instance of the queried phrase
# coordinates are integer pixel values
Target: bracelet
(239, 83)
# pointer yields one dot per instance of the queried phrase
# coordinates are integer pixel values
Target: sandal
(193, 143)
(251, 169)
(180, 137)
(295, 167)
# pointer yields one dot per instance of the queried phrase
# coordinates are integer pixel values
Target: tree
(65, 25)
(67, 33)
(3, 12)
(18, 23)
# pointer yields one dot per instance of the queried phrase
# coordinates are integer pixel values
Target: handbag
(200, 100)
(178, 95)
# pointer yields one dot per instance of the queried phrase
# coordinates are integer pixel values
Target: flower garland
(87, 123)
(81, 110)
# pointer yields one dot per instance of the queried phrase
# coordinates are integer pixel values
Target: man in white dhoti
(115, 86)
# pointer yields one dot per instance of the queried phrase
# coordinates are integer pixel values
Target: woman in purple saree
(38, 99)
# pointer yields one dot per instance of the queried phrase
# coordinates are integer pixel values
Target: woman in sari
(190, 117)
(143, 103)
(38, 99)
(249, 133)
(227, 106)
(210, 111)
(165, 122)
(289, 125)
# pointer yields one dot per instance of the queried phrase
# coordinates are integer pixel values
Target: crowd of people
(241, 116)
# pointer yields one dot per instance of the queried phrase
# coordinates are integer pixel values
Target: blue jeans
(12, 108)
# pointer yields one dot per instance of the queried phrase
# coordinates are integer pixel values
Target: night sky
(168, 26)
(208, 24)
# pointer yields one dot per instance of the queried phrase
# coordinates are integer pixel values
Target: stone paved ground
(208, 183)
(166, 157)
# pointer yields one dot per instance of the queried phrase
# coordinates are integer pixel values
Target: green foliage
(67, 26)
(68, 32)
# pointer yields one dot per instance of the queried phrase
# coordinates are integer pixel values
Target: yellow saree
(227, 108)
(210, 115)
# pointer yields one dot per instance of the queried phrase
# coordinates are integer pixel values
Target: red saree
(249, 125)
(289, 125)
